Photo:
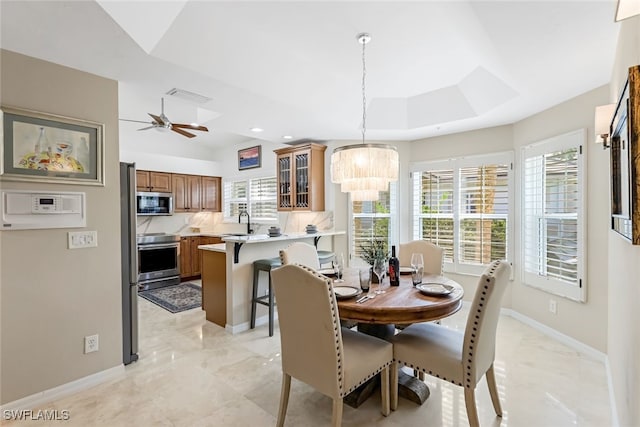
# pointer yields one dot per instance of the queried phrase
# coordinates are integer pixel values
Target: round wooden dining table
(399, 305)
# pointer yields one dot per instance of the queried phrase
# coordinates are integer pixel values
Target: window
(257, 196)
(373, 220)
(463, 205)
(553, 215)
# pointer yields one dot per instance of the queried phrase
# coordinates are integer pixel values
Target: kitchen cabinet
(191, 257)
(159, 182)
(211, 190)
(186, 192)
(300, 172)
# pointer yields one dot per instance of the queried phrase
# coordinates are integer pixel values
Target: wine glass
(338, 267)
(379, 268)
(417, 268)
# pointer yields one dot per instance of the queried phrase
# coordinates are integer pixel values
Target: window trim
(553, 286)
(456, 164)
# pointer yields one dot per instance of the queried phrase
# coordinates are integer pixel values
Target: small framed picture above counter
(249, 158)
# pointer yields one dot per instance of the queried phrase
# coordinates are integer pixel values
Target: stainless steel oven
(158, 260)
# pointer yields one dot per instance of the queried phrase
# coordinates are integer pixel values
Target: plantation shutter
(235, 198)
(553, 217)
(483, 213)
(263, 197)
(435, 216)
(373, 220)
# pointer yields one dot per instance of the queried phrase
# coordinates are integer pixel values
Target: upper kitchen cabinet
(159, 182)
(194, 193)
(300, 172)
(186, 192)
(211, 190)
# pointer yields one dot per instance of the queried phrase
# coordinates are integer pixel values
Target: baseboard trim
(43, 397)
(262, 320)
(565, 339)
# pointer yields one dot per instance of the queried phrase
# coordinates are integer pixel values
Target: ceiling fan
(162, 122)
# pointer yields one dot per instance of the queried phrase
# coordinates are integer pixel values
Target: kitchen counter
(228, 289)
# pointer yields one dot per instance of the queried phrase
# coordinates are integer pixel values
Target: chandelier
(364, 169)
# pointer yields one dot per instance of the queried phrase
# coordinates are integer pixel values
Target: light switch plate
(83, 239)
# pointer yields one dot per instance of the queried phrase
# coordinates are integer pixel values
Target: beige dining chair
(300, 253)
(460, 358)
(315, 349)
(433, 255)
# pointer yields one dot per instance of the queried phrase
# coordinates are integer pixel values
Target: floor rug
(175, 299)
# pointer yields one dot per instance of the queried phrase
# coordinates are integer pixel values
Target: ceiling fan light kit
(162, 123)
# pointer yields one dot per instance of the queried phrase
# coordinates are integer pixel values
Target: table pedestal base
(409, 387)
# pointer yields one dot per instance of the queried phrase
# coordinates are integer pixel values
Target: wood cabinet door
(195, 255)
(160, 182)
(185, 257)
(180, 200)
(211, 194)
(142, 180)
(193, 193)
(285, 184)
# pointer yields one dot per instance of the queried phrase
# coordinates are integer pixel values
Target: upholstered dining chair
(300, 253)
(460, 358)
(315, 349)
(433, 255)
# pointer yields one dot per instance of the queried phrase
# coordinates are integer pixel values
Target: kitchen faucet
(240, 215)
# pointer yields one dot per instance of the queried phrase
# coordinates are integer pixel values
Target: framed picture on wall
(44, 147)
(249, 158)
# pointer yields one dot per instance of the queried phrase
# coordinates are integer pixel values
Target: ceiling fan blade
(134, 121)
(157, 119)
(190, 126)
(182, 132)
(148, 127)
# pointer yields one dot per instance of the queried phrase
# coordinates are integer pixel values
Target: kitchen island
(239, 253)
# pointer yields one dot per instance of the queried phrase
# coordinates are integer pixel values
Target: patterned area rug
(175, 299)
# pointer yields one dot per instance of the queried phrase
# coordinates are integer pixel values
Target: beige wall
(51, 297)
(624, 270)
(585, 322)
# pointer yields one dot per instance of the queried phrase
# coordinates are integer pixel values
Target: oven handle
(157, 246)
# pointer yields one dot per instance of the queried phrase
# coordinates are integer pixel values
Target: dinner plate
(406, 270)
(435, 289)
(344, 292)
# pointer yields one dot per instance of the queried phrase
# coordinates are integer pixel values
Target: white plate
(435, 288)
(343, 292)
(406, 270)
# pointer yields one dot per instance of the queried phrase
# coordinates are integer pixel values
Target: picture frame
(249, 158)
(625, 160)
(42, 147)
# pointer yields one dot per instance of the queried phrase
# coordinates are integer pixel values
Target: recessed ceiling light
(287, 137)
(256, 129)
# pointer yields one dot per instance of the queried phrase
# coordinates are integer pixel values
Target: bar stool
(325, 257)
(263, 265)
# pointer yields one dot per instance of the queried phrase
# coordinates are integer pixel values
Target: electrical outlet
(83, 239)
(553, 306)
(90, 343)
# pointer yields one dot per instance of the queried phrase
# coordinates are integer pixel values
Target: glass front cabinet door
(300, 172)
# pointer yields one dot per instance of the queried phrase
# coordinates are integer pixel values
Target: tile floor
(192, 373)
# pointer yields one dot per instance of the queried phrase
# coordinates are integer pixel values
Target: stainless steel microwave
(154, 203)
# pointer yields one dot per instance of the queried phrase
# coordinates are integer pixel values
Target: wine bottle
(394, 268)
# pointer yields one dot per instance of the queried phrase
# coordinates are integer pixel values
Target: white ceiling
(294, 67)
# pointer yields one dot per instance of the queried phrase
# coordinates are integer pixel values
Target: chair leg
(384, 391)
(394, 385)
(493, 390)
(472, 411)
(256, 277)
(284, 399)
(337, 412)
(270, 307)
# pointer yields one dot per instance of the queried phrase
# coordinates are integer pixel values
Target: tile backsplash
(183, 223)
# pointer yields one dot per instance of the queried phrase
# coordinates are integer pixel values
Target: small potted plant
(373, 250)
